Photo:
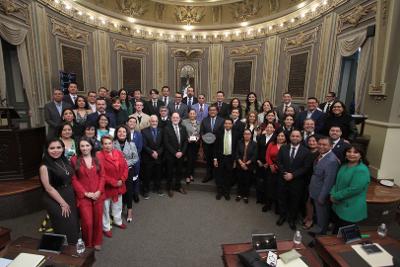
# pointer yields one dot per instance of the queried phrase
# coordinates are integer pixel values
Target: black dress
(58, 179)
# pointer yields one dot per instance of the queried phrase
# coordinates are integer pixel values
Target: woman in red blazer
(271, 156)
(88, 183)
(115, 174)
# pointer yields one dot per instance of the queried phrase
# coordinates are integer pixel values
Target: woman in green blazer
(349, 194)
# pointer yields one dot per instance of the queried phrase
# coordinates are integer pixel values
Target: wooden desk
(231, 259)
(67, 258)
(329, 248)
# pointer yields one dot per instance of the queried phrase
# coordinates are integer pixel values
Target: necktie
(178, 136)
(190, 102)
(245, 152)
(285, 108)
(226, 143)
(328, 107)
(219, 106)
(139, 119)
(154, 130)
(74, 98)
(177, 107)
(212, 124)
(165, 100)
(201, 108)
(154, 104)
(292, 153)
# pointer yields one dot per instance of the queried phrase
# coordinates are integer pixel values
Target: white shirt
(323, 155)
(73, 97)
(267, 138)
(306, 135)
(335, 142)
(92, 107)
(296, 149)
(309, 114)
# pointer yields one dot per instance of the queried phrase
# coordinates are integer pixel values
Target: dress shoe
(227, 197)
(97, 247)
(218, 196)
(238, 198)
(136, 198)
(170, 193)
(292, 225)
(182, 191)
(266, 208)
(121, 226)
(280, 221)
(160, 193)
(107, 234)
(205, 180)
(246, 200)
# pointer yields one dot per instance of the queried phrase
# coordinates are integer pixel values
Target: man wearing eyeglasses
(327, 105)
(201, 108)
(178, 107)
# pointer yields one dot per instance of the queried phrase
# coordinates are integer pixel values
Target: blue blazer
(138, 140)
(324, 177)
(200, 116)
(317, 116)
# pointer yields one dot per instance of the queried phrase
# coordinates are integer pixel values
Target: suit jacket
(323, 177)
(133, 102)
(129, 151)
(162, 123)
(238, 127)
(87, 180)
(169, 100)
(53, 118)
(183, 109)
(194, 101)
(317, 116)
(340, 148)
(300, 164)
(92, 118)
(223, 112)
(150, 109)
(251, 153)
(279, 110)
(205, 126)
(144, 121)
(219, 144)
(200, 115)
(262, 146)
(171, 143)
(68, 99)
(115, 169)
(149, 145)
(322, 107)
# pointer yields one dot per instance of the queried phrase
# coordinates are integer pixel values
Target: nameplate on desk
(382, 258)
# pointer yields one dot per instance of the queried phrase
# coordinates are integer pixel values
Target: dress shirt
(166, 100)
(335, 142)
(306, 135)
(267, 138)
(73, 97)
(321, 156)
(309, 114)
(58, 106)
(296, 148)
(92, 107)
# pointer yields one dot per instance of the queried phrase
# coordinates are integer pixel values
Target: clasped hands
(288, 176)
(93, 195)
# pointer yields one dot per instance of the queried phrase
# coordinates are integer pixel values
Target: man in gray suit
(53, 111)
(286, 102)
(178, 107)
(322, 180)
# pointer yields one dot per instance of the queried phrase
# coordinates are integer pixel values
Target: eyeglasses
(337, 107)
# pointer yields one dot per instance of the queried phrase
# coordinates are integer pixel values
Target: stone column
(270, 68)
(102, 64)
(215, 70)
(160, 63)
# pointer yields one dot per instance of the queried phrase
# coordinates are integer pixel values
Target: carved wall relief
(132, 8)
(356, 16)
(129, 47)
(302, 38)
(12, 8)
(245, 50)
(189, 14)
(187, 52)
(246, 9)
(69, 32)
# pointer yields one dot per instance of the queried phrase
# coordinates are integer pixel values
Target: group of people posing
(105, 149)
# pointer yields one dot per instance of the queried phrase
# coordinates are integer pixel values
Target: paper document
(4, 262)
(376, 259)
(27, 260)
(294, 263)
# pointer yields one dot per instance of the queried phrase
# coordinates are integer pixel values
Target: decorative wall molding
(301, 39)
(189, 14)
(132, 8)
(69, 32)
(356, 16)
(246, 9)
(245, 50)
(12, 8)
(129, 47)
(187, 52)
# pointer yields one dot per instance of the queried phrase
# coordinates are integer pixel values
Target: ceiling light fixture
(188, 27)
(132, 20)
(137, 31)
(80, 13)
(292, 20)
(244, 23)
(270, 27)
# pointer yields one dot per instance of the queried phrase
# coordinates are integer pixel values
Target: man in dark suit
(294, 162)
(164, 119)
(286, 102)
(222, 107)
(224, 157)
(137, 95)
(152, 107)
(339, 144)
(308, 130)
(72, 94)
(312, 112)
(322, 180)
(178, 106)
(165, 95)
(152, 155)
(238, 125)
(53, 111)
(327, 105)
(175, 144)
(101, 107)
(190, 99)
(212, 124)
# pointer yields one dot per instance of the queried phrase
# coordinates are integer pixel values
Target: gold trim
(130, 47)
(67, 31)
(245, 50)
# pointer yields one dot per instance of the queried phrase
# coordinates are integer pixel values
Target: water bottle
(80, 247)
(297, 238)
(382, 230)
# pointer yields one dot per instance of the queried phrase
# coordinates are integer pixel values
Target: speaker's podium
(20, 149)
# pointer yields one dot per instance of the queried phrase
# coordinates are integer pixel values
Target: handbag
(251, 259)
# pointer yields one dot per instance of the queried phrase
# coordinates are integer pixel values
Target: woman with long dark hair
(252, 124)
(265, 108)
(59, 199)
(252, 104)
(137, 139)
(88, 183)
(349, 194)
(287, 126)
(103, 127)
(122, 142)
(66, 136)
(192, 127)
(90, 132)
(121, 115)
(81, 110)
(125, 103)
(338, 116)
(235, 103)
(68, 116)
(271, 157)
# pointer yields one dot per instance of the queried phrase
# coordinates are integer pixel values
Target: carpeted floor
(186, 230)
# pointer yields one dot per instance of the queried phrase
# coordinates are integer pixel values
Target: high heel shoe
(129, 220)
